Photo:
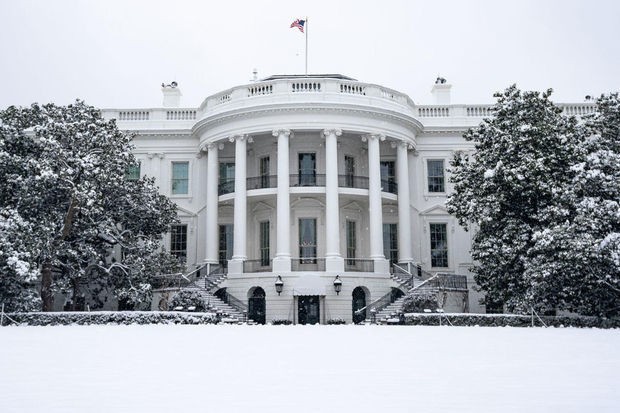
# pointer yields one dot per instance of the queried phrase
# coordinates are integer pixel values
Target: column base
(235, 266)
(334, 264)
(282, 264)
(382, 265)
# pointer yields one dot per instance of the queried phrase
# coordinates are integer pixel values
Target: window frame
(428, 176)
(445, 251)
(180, 253)
(187, 179)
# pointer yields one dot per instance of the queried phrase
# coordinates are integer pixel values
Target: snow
(307, 369)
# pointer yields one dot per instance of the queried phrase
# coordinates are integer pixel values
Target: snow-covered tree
(575, 261)
(510, 190)
(63, 180)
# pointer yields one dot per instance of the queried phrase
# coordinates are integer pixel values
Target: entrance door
(309, 309)
(359, 302)
(256, 306)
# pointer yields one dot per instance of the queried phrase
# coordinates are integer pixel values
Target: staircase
(231, 309)
(215, 304)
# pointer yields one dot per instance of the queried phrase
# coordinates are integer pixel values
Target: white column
(240, 209)
(333, 259)
(282, 260)
(404, 213)
(375, 210)
(212, 229)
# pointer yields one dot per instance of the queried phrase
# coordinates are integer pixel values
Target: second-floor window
(349, 171)
(264, 243)
(133, 172)
(388, 176)
(180, 178)
(307, 169)
(435, 173)
(264, 172)
(351, 242)
(227, 178)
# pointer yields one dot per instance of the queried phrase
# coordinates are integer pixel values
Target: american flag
(299, 24)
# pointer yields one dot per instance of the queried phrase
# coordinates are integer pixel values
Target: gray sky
(117, 53)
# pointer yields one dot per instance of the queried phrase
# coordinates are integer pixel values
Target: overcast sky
(117, 53)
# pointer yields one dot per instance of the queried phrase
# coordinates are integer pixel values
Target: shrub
(281, 322)
(187, 299)
(336, 321)
(417, 303)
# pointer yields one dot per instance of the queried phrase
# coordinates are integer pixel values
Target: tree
(63, 179)
(511, 190)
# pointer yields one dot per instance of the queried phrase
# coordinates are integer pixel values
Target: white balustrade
(133, 115)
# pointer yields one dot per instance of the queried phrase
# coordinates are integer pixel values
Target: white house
(316, 183)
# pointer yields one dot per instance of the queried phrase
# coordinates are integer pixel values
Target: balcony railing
(226, 187)
(260, 182)
(359, 265)
(307, 180)
(388, 185)
(271, 181)
(352, 181)
(257, 266)
(308, 264)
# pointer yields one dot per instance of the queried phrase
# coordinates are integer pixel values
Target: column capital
(213, 145)
(401, 144)
(373, 136)
(331, 131)
(286, 132)
(235, 138)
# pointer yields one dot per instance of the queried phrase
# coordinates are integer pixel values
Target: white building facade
(315, 183)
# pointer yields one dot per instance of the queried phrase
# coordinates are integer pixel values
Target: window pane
(264, 243)
(133, 172)
(180, 178)
(178, 241)
(307, 240)
(439, 245)
(435, 175)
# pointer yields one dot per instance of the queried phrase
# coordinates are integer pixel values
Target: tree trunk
(46, 287)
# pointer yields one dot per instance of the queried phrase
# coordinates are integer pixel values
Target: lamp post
(279, 285)
(337, 285)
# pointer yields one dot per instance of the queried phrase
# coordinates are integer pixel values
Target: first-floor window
(307, 240)
(226, 244)
(390, 242)
(351, 242)
(178, 241)
(439, 245)
(264, 243)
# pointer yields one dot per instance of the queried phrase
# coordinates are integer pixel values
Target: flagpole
(307, 45)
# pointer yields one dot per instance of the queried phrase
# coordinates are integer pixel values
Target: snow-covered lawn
(308, 369)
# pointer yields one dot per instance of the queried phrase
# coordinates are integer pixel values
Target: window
(390, 242)
(264, 243)
(264, 172)
(349, 171)
(307, 169)
(227, 178)
(388, 176)
(178, 241)
(439, 245)
(351, 242)
(307, 240)
(180, 178)
(226, 244)
(133, 172)
(435, 175)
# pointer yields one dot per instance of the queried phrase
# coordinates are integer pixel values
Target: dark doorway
(256, 306)
(396, 294)
(359, 302)
(309, 309)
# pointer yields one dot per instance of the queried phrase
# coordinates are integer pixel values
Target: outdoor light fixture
(337, 285)
(279, 285)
